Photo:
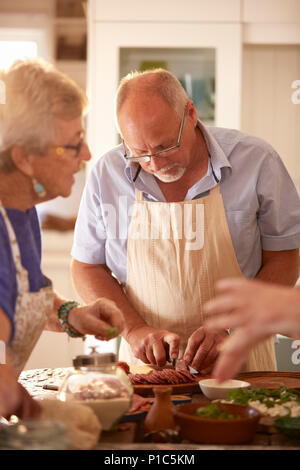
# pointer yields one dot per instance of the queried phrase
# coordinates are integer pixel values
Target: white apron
(171, 275)
(32, 308)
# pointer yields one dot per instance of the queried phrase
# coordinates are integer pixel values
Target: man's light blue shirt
(261, 202)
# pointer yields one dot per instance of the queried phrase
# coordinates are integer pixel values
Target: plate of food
(271, 403)
(145, 378)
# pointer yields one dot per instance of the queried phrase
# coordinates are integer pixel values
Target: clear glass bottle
(34, 435)
(98, 382)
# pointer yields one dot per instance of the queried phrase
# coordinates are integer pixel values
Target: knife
(170, 364)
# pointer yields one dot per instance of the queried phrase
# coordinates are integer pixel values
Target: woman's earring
(38, 188)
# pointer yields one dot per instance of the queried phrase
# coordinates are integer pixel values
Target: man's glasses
(77, 148)
(161, 153)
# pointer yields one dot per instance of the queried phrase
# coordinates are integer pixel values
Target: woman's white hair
(158, 82)
(36, 97)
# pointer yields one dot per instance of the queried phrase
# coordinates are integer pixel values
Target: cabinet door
(271, 92)
(108, 40)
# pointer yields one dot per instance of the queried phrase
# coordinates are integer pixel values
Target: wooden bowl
(217, 431)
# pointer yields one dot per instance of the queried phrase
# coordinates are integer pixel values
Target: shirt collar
(216, 153)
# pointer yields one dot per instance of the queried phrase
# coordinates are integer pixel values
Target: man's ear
(22, 160)
(191, 112)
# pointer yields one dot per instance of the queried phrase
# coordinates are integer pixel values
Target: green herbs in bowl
(288, 426)
(213, 411)
(212, 427)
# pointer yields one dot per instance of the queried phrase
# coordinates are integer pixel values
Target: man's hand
(203, 348)
(103, 319)
(153, 346)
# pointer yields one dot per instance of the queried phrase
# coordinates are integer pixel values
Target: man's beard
(170, 173)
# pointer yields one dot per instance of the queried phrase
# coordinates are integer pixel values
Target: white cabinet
(271, 11)
(198, 11)
(268, 110)
(161, 26)
(256, 45)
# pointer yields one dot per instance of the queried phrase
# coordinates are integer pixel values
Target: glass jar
(98, 382)
(34, 435)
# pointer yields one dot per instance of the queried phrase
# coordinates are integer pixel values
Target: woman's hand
(103, 319)
(259, 307)
(14, 399)
(255, 310)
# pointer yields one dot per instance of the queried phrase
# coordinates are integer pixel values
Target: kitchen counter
(266, 438)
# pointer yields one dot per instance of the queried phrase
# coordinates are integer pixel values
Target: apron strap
(22, 275)
(215, 190)
(138, 195)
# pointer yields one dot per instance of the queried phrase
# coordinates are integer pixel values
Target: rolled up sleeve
(279, 213)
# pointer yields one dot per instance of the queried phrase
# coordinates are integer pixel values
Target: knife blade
(170, 364)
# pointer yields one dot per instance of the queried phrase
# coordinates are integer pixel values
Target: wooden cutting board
(271, 380)
(146, 390)
(260, 379)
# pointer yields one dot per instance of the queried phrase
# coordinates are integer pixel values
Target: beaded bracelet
(63, 315)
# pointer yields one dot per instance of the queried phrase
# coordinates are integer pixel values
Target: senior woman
(41, 148)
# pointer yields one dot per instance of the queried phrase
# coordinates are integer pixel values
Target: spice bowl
(238, 430)
(215, 390)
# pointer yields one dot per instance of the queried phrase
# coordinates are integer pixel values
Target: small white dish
(214, 390)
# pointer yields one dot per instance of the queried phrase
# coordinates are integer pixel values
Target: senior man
(174, 208)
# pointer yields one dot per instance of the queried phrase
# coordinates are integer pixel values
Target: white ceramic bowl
(214, 390)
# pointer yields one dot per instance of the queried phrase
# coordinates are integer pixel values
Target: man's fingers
(193, 343)
(150, 354)
(211, 357)
(173, 342)
(142, 356)
(202, 353)
(159, 353)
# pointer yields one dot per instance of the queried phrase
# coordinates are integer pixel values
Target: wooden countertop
(267, 437)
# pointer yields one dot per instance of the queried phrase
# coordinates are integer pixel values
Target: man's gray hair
(158, 82)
